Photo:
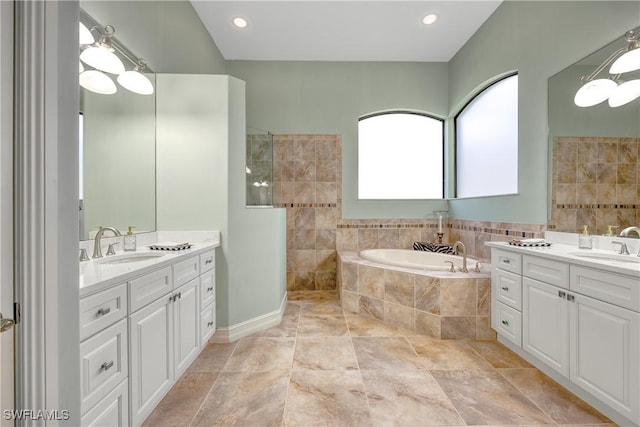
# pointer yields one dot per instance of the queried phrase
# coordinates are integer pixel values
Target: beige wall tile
(458, 297)
(427, 294)
(372, 307)
(371, 282)
(399, 316)
(399, 288)
(427, 324)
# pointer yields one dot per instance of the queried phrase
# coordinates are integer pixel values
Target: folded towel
(170, 246)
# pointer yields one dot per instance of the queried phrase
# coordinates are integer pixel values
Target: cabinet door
(151, 334)
(112, 411)
(545, 322)
(186, 319)
(604, 353)
(207, 324)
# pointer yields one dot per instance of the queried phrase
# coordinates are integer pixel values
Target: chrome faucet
(623, 248)
(456, 247)
(629, 230)
(97, 252)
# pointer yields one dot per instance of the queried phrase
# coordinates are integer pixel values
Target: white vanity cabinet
(207, 297)
(545, 323)
(582, 322)
(165, 336)
(104, 357)
(506, 288)
(140, 336)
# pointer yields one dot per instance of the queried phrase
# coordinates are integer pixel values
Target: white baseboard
(248, 327)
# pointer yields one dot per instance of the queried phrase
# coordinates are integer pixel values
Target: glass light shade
(630, 61)
(594, 92)
(135, 82)
(625, 93)
(102, 59)
(98, 82)
(85, 35)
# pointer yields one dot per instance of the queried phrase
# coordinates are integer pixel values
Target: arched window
(400, 156)
(487, 142)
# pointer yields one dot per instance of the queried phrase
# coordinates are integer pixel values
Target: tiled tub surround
(307, 181)
(438, 304)
(596, 181)
(355, 235)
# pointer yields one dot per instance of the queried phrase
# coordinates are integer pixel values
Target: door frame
(46, 210)
(7, 363)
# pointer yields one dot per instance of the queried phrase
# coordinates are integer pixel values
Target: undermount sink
(607, 257)
(130, 257)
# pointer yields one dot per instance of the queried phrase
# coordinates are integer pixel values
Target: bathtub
(415, 259)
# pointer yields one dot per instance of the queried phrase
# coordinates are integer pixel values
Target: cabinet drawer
(207, 261)
(185, 271)
(207, 324)
(112, 411)
(546, 270)
(508, 323)
(506, 260)
(103, 363)
(102, 310)
(207, 288)
(617, 289)
(148, 288)
(507, 287)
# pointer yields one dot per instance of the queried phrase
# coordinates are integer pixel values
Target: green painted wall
(328, 98)
(201, 186)
(538, 39)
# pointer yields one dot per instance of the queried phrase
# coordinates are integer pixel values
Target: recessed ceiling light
(240, 22)
(429, 19)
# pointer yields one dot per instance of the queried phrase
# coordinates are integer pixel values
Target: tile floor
(323, 367)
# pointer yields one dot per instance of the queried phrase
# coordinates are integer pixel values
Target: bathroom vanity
(144, 318)
(574, 314)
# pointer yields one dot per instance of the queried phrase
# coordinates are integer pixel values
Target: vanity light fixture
(240, 22)
(429, 19)
(135, 81)
(80, 67)
(98, 82)
(594, 92)
(106, 56)
(100, 55)
(625, 93)
(616, 91)
(85, 35)
(630, 60)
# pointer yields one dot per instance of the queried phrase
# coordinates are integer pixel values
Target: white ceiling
(342, 30)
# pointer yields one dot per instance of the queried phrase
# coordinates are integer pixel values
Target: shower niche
(259, 169)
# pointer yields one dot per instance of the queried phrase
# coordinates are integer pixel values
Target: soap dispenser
(584, 240)
(130, 240)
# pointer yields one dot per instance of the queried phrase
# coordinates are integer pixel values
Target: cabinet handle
(209, 261)
(506, 261)
(571, 298)
(210, 289)
(505, 288)
(562, 294)
(209, 323)
(179, 295)
(505, 322)
(103, 311)
(106, 365)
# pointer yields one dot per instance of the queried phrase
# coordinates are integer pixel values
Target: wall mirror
(117, 149)
(595, 179)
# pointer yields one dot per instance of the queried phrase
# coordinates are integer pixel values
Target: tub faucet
(456, 247)
(629, 230)
(97, 252)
